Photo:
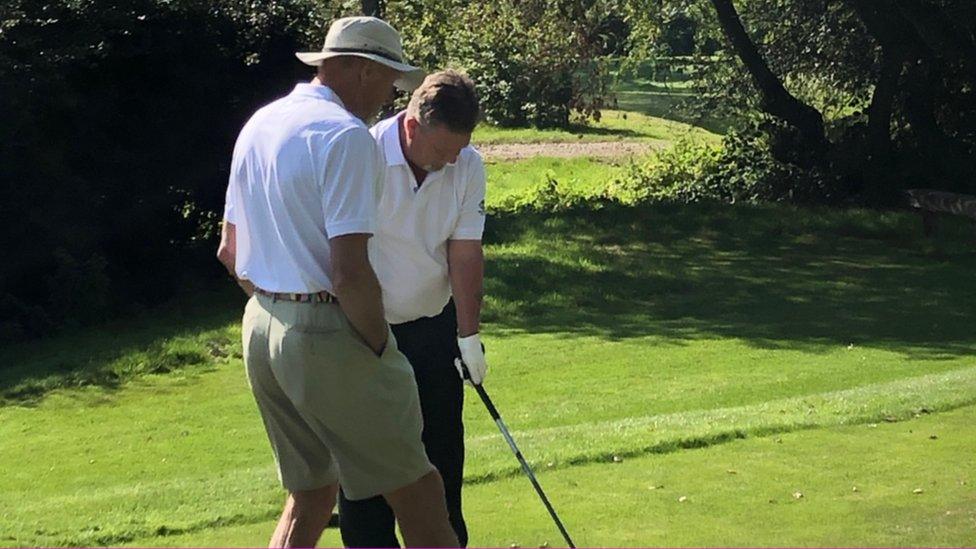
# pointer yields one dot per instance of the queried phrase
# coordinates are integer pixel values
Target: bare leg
(422, 514)
(305, 516)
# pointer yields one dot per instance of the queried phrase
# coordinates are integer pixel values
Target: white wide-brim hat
(367, 37)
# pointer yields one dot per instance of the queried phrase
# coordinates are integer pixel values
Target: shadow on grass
(671, 105)
(774, 277)
(188, 333)
(581, 129)
(665, 91)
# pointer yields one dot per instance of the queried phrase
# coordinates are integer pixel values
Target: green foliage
(893, 84)
(78, 288)
(547, 196)
(531, 68)
(121, 116)
(534, 63)
(741, 169)
(119, 122)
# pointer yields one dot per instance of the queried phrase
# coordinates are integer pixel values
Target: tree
(534, 62)
(864, 94)
(119, 123)
(775, 99)
(373, 7)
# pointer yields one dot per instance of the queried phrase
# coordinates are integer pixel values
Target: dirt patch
(598, 149)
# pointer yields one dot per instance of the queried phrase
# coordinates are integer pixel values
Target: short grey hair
(446, 98)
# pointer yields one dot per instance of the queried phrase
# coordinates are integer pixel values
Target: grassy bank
(637, 333)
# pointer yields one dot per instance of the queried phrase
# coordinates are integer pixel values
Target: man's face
(434, 146)
(377, 89)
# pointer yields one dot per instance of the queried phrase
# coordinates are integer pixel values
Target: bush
(741, 169)
(77, 289)
(535, 63)
(548, 196)
(119, 122)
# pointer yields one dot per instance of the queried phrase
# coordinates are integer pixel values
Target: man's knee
(429, 485)
(319, 500)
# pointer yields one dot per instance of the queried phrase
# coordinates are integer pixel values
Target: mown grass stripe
(588, 443)
(600, 441)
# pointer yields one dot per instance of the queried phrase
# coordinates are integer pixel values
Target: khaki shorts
(333, 410)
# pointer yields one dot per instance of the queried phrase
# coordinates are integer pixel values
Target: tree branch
(776, 100)
(373, 7)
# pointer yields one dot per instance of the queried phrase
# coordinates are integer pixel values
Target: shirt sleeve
(231, 209)
(230, 206)
(353, 178)
(471, 221)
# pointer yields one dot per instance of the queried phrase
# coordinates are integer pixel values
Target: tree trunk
(877, 171)
(882, 102)
(939, 34)
(920, 109)
(373, 7)
(889, 28)
(776, 100)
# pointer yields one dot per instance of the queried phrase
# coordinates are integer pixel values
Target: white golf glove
(472, 356)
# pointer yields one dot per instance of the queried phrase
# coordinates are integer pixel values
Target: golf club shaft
(493, 412)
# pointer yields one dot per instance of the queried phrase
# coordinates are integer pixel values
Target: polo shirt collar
(392, 149)
(320, 91)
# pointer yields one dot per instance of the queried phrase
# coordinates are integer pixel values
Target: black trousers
(430, 344)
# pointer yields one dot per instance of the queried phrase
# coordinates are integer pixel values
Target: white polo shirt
(409, 249)
(304, 170)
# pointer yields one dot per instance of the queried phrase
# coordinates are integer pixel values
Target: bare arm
(356, 286)
(227, 254)
(466, 268)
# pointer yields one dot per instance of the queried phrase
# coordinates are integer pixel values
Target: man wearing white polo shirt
(427, 249)
(338, 399)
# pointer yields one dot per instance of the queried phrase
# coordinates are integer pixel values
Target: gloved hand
(472, 356)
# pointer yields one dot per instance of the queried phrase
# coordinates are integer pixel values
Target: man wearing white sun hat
(338, 399)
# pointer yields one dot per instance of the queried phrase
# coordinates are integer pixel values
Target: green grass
(614, 125)
(666, 91)
(636, 502)
(648, 106)
(675, 101)
(581, 174)
(156, 341)
(637, 333)
(649, 112)
(731, 489)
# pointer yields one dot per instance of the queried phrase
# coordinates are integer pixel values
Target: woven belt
(318, 297)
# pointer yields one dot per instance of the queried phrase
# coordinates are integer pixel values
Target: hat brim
(410, 76)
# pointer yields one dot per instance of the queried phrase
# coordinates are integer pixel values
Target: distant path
(600, 149)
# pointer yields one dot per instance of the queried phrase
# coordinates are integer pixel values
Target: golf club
(493, 412)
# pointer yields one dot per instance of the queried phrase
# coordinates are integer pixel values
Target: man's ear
(410, 126)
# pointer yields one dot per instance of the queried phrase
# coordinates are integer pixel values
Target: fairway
(656, 335)
(731, 489)
(714, 260)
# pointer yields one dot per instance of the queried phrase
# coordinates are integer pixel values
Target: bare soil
(598, 149)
